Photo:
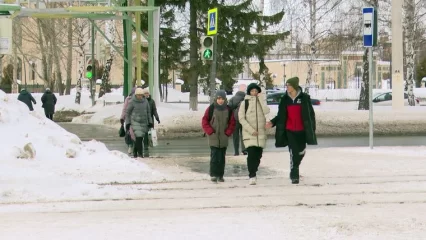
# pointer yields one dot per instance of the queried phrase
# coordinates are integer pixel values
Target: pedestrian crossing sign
(212, 22)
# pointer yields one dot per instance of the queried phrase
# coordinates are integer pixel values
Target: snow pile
(40, 160)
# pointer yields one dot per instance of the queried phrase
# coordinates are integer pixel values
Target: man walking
(295, 124)
(154, 113)
(27, 98)
(234, 104)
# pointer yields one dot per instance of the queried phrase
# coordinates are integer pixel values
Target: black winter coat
(308, 117)
(27, 98)
(153, 108)
(49, 101)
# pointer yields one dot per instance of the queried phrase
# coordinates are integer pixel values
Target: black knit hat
(294, 82)
(252, 86)
(221, 94)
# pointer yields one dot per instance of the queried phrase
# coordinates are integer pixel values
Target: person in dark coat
(219, 126)
(295, 124)
(49, 101)
(237, 136)
(154, 113)
(27, 98)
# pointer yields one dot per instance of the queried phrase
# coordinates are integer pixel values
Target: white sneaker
(252, 181)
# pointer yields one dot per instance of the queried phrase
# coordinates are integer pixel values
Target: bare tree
(106, 86)
(364, 97)
(82, 31)
(412, 19)
(69, 56)
(318, 11)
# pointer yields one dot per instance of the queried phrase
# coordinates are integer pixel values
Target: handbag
(122, 132)
(153, 140)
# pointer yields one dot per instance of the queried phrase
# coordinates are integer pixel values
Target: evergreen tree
(170, 42)
(236, 40)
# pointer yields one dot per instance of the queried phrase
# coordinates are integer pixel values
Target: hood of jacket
(24, 92)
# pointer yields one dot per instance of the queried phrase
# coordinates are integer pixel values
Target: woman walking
(252, 116)
(138, 117)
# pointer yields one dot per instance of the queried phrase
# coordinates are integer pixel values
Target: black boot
(294, 175)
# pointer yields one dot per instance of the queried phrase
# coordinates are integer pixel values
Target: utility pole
(397, 56)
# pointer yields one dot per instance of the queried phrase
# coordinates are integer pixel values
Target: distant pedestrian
(234, 104)
(154, 113)
(127, 139)
(218, 123)
(27, 98)
(295, 124)
(253, 120)
(138, 120)
(49, 101)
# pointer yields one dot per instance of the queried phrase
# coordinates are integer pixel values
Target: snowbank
(40, 160)
(333, 119)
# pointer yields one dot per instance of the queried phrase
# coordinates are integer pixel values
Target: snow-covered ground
(345, 193)
(41, 161)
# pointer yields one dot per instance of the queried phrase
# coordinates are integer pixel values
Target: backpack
(211, 109)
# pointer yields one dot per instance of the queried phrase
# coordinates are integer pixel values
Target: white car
(385, 99)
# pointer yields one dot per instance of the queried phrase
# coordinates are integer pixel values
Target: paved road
(199, 147)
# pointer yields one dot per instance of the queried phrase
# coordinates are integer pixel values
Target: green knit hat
(294, 82)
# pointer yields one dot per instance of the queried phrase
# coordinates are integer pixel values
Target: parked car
(274, 99)
(385, 99)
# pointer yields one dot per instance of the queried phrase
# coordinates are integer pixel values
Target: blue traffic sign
(369, 27)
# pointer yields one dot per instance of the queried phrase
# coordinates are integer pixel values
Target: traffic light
(89, 73)
(207, 44)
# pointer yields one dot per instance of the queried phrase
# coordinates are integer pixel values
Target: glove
(150, 125)
(122, 121)
(158, 120)
(127, 127)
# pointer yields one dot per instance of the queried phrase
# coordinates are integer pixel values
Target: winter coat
(235, 101)
(49, 101)
(153, 108)
(219, 127)
(126, 104)
(308, 117)
(254, 120)
(27, 98)
(137, 114)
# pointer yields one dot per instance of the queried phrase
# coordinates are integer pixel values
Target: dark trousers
(254, 154)
(49, 116)
(137, 147)
(146, 142)
(217, 161)
(296, 147)
(237, 136)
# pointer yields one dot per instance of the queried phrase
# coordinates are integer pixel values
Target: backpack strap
(211, 110)
(246, 104)
(230, 112)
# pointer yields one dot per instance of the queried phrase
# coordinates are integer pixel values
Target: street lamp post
(283, 64)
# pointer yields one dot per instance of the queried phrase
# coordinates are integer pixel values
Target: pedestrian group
(245, 117)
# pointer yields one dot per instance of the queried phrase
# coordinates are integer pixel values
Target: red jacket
(207, 124)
